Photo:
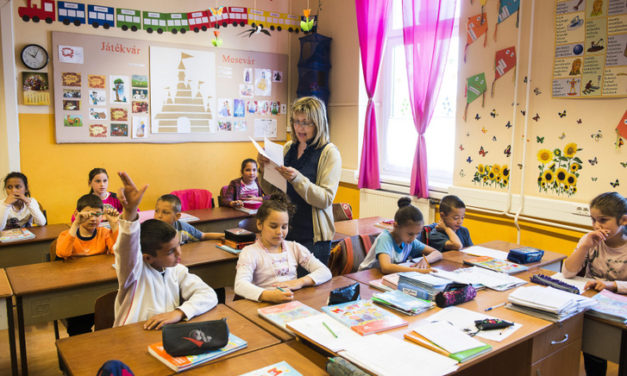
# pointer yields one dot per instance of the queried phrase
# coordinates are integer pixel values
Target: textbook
(226, 248)
(281, 368)
(364, 317)
(422, 286)
(497, 265)
(15, 235)
(610, 306)
(281, 314)
(402, 302)
(182, 363)
(378, 284)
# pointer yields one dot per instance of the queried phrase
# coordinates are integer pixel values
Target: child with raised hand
(19, 209)
(85, 237)
(602, 254)
(244, 188)
(449, 234)
(400, 245)
(152, 282)
(168, 210)
(266, 270)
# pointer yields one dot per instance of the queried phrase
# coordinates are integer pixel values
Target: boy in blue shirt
(168, 210)
(448, 234)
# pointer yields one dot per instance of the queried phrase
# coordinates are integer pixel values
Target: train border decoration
(107, 17)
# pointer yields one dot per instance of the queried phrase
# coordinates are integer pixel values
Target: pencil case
(344, 294)
(545, 280)
(239, 235)
(195, 337)
(455, 293)
(525, 255)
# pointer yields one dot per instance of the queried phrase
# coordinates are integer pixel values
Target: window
(397, 133)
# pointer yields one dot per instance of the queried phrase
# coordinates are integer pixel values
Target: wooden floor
(42, 354)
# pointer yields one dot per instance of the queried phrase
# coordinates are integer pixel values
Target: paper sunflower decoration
(306, 24)
(505, 9)
(475, 87)
(504, 61)
(216, 41)
(476, 27)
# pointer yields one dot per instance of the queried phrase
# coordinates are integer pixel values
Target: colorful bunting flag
(475, 87)
(476, 27)
(506, 8)
(504, 61)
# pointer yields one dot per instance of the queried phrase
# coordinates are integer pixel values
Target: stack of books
(402, 302)
(238, 238)
(548, 303)
(15, 235)
(422, 286)
(610, 306)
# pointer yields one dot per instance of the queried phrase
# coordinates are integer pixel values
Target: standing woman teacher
(312, 168)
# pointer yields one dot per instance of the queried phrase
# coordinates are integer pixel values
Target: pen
(329, 329)
(493, 307)
(280, 289)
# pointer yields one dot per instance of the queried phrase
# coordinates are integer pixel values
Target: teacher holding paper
(312, 168)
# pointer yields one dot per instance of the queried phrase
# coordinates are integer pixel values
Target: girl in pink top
(266, 270)
(99, 185)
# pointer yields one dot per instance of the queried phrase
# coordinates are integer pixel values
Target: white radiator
(381, 203)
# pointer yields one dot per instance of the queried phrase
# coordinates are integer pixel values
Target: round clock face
(34, 56)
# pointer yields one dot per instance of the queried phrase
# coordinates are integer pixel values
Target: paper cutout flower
(559, 170)
(570, 150)
(561, 175)
(492, 175)
(544, 156)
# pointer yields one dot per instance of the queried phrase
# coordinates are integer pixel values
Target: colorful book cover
(501, 266)
(276, 369)
(364, 317)
(15, 234)
(181, 363)
(403, 301)
(610, 306)
(281, 314)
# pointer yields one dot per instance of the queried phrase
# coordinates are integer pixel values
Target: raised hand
(130, 196)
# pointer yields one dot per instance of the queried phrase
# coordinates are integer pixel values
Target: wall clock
(34, 56)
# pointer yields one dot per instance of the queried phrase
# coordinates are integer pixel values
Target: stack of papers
(548, 303)
(423, 286)
(610, 306)
(482, 277)
(464, 320)
(402, 302)
(457, 344)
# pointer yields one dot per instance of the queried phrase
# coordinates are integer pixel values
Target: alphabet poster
(590, 49)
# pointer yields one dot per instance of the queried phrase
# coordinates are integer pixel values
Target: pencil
(280, 289)
(329, 329)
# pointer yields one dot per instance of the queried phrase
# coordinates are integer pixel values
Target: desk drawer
(559, 336)
(564, 362)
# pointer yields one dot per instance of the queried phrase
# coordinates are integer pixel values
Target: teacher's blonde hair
(316, 112)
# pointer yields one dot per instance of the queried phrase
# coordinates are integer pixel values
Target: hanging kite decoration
(476, 27)
(475, 87)
(504, 61)
(506, 8)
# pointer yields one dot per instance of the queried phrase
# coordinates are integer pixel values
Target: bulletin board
(116, 90)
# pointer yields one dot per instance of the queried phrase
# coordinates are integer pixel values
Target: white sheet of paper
(447, 336)
(483, 251)
(270, 173)
(313, 328)
(578, 282)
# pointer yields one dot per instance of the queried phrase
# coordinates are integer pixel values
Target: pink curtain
(372, 19)
(427, 28)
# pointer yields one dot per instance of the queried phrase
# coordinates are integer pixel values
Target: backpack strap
(367, 242)
(349, 256)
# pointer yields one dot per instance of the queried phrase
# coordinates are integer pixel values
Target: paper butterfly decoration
(216, 11)
(563, 136)
(520, 166)
(505, 9)
(562, 114)
(493, 113)
(615, 183)
(482, 152)
(477, 117)
(621, 128)
(508, 125)
(539, 139)
(619, 142)
(579, 121)
(537, 91)
(537, 117)
(508, 151)
(476, 27)
(504, 61)
(594, 178)
(462, 173)
(494, 138)
(597, 136)
(469, 159)
(523, 112)
(484, 130)
(593, 161)
(461, 147)
(475, 87)
(624, 164)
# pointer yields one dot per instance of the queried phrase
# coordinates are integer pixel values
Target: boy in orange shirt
(86, 238)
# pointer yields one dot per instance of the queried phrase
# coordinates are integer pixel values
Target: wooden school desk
(129, 344)
(30, 251)
(6, 294)
(56, 290)
(361, 226)
(314, 297)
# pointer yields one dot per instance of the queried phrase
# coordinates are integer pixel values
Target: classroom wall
(4, 156)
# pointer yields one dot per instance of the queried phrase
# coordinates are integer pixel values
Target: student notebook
(364, 317)
(15, 235)
(182, 363)
(402, 302)
(497, 265)
(276, 369)
(459, 345)
(281, 314)
(226, 248)
(610, 306)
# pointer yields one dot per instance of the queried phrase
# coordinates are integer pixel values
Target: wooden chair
(222, 194)
(342, 211)
(104, 311)
(349, 253)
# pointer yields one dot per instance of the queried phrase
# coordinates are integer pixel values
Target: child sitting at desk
(86, 238)
(400, 245)
(602, 253)
(19, 209)
(266, 270)
(168, 210)
(448, 234)
(246, 187)
(152, 282)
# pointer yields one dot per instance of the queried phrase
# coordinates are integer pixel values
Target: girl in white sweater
(266, 270)
(19, 209)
